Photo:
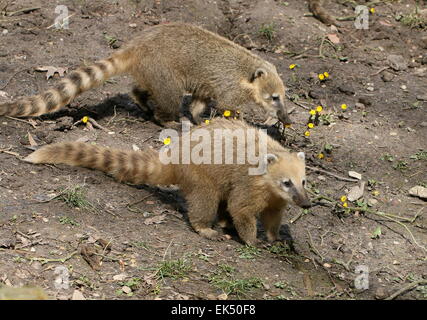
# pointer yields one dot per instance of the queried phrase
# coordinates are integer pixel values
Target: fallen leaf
(52, 70)
(155, 219)
(356, 192)
(120, 277)
(418, 191)
(88, 252)
(77, 295)
(355, 174)
(33, 143)
(333, 38)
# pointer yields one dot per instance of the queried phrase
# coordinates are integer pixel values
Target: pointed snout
(283, 116)
(302, 201)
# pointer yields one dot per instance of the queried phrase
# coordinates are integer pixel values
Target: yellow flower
(207, 121)
(343, 199)
(375, 193)
(319, 108)
(85, 119)
(344, 106)
(167, 141)
(288, 125)
(345, 205)
(321, 77)
(312, 112)
(292, 66)
(227, 113)
(320, 156)
(310, 125)
(307, 133)
(372, 10)
(326, 74)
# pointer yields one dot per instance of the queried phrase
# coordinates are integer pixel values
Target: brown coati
(169, 62)
(210, 184)
(315, 6)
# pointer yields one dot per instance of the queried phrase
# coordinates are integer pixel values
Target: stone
(387, 76)
(397, 62)
(418, 191)
(372, 202)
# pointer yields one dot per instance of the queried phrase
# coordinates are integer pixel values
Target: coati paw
(208, 233)
(212, 234)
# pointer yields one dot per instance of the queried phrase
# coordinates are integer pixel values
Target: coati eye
(287, 183)
(303, 183)
(275, 96)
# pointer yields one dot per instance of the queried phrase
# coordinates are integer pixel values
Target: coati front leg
(202, 211)
(272, 220)
(243, 209)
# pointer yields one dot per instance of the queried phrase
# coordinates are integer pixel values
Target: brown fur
(167, 62)
(206, 187)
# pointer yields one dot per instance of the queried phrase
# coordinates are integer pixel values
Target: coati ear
(270, 158)
(258, 74)
(301, 155)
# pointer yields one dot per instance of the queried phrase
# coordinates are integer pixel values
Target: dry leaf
(33, 143)
(333, 38)
(356, 192)
(155, 220)
(52, 70)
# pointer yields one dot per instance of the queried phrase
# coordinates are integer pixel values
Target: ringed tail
(80, 80)
(137, 167)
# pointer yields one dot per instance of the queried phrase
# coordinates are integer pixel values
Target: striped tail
(138, 167)
(77, 82)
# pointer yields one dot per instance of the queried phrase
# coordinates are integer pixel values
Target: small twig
(22, 120)
(313, 247)
(25, 10)
(66, 18)
(408, 287)
(331, 174)
(379, 71)
(128, 206)
(46, 260)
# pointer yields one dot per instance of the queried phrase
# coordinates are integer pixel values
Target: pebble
(422, 97)
(387, 76)
(126, 289)
(372, 202)
(77, 295)
(380, 293)
(5, 32)
(397, 62)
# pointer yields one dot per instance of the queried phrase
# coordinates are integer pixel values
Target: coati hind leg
(271, 220)
(202, 211)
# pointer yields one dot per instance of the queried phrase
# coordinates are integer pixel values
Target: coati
(168, 62)
(206, 187)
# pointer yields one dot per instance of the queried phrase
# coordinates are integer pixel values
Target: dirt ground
(118, 241)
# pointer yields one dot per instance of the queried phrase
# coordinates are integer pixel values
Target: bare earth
(128, 242)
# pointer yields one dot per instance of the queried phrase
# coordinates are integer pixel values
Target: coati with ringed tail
(168, 62)
(206, 186)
